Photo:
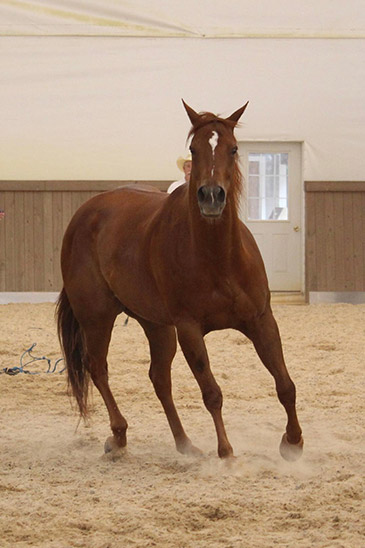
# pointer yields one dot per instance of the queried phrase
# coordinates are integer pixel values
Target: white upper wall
(77, 106)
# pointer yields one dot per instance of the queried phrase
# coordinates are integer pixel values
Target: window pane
(269, 164)
(253, 208)
(254, 186)
(268, 186)
(254, 167)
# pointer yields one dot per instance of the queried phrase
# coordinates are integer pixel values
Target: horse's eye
(234, 150)
(192, 150)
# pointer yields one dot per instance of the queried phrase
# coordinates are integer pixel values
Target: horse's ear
(237, 114)
(194, 116)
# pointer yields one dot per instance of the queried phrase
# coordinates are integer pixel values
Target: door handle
(296, 228)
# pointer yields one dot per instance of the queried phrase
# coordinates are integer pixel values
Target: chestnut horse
(180, 264)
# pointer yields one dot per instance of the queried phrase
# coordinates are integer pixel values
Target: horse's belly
(138, 294)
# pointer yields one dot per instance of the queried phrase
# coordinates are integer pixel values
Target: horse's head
(215, 174)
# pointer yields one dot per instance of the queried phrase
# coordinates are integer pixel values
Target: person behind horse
(184, 164)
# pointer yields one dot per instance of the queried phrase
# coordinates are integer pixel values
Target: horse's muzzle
(211, 200)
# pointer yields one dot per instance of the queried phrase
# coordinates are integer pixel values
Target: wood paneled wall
(335, 236)
(36, 216)
(38, 212)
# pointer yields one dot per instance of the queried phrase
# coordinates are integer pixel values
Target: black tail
(72, 344)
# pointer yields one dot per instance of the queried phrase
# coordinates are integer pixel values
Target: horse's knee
(213, 398)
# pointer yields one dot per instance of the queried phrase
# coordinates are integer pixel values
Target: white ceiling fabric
(77, 102)
(191, 18)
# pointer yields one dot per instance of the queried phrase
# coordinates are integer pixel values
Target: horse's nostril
(220, 194)
(201, 194)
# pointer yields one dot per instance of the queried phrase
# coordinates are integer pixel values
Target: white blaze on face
(213, 141)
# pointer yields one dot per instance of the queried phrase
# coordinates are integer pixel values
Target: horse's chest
(218, 306)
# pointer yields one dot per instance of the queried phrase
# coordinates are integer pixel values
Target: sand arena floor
(57, 489)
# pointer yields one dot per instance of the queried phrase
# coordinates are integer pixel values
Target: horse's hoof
(194, 451)
(229, 461)
(225, 452)
(291, 451)
(111, 445)
(187, 448)
(108, 445)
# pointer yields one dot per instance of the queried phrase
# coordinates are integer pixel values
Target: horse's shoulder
(247, 236)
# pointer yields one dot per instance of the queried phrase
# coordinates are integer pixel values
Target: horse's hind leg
(97, 339)
(162, 341)
(95, 310)
(265, 336)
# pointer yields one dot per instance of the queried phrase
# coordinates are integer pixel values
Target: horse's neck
(218, 240)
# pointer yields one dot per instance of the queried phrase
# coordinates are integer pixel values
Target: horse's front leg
(162, 341)
(194, 349)
(265, 336)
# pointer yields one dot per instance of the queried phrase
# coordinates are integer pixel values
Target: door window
(267, 193)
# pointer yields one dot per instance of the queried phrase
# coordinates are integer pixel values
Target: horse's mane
(207, 118)
(237, 185)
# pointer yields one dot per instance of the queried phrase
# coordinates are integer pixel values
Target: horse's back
(139, 187)
(102, 209)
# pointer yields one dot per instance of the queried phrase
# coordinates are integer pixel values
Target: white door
(272, 208)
